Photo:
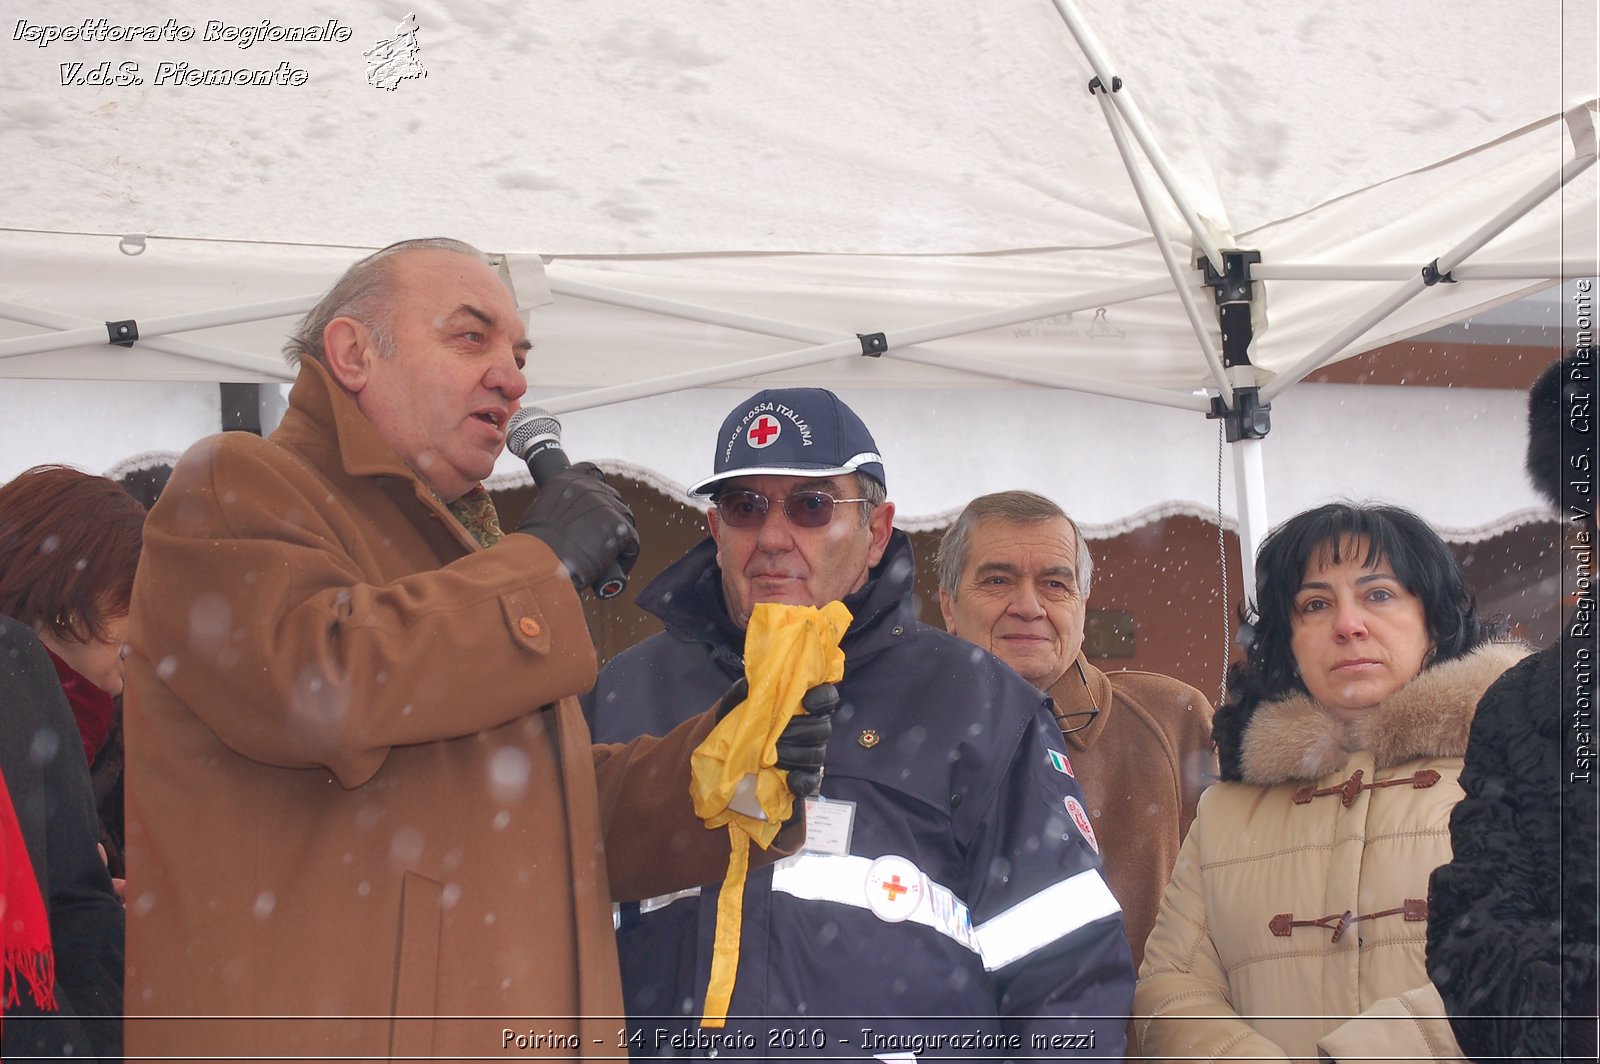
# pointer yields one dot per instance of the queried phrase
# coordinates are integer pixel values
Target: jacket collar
(324, 425)
(320, 411)
(687, 597)
(1072, 694)
(1294, 738)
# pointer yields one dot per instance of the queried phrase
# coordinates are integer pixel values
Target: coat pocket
(416, 972)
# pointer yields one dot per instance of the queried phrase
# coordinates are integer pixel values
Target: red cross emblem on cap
(764, 433)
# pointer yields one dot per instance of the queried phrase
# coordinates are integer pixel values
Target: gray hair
(1020, 507)
(875, 494)
(364, 293)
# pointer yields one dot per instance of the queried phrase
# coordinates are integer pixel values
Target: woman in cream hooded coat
(1295, 923)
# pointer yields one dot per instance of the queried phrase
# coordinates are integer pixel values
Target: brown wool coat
(1142, 764)
(360, 796)
(1219, 981)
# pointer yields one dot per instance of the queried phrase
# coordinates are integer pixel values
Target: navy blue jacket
(961, 798)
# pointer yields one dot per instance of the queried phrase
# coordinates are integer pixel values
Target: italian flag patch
(1059, 762)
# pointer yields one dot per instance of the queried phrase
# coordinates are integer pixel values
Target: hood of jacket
(1294, 738)
(687, 597)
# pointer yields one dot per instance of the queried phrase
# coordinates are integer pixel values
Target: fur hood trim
(1296, 739)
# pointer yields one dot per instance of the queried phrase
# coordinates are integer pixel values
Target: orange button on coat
(529, 627)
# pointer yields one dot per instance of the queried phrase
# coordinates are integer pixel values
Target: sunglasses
(807, 509)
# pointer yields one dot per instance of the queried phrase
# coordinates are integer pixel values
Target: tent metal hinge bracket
(1248, 419)
(1235, 293)
(1233, 284)
(1096, 85)
(122, 333)
(873, 345)
(1431, 275)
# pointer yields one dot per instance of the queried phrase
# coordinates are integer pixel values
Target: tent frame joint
(1096, 85)
(1235, 292)
(1431, 275)
(1247, 419)
(122, 333)
(873, 345)
(1233, 284)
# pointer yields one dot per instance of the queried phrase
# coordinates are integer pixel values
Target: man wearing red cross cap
(944, 904)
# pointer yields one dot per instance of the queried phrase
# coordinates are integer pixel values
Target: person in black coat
(1511, 919)
(42, 762)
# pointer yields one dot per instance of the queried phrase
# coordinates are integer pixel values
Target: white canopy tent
(727, 195)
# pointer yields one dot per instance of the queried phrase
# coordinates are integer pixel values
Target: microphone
(534, 435)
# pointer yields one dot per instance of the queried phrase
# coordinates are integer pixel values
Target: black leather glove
(584, 520)
(803, 744)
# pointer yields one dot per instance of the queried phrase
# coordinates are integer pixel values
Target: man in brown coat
(362, 801)
(1014, 579)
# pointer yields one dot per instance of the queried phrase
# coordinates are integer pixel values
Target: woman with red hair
(69, 545)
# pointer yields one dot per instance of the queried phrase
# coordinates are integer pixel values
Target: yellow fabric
(787, 651)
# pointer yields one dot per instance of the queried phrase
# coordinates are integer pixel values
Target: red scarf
(92, 708)
(25, 953)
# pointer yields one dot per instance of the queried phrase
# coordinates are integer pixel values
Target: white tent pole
(1250, 490)
(88, 336)
(1396, 299)
(1445, 263)
(1201, 328)
(676, 308)
(1551, 270)
(900, 338)
(1051, 379)
(218, 356)
(732, 371)
(91, 336)
(1129, 109)
(993, 319)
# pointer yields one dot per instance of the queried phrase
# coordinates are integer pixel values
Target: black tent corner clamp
(1233, 283)
(1096, 85)
(873, 345)
(122, 333)
(1247, 419)
(1431, 275)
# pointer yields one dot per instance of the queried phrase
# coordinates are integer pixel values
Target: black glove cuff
(805, 783)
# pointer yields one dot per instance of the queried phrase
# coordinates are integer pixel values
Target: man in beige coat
(1014, 578)
(362, 801)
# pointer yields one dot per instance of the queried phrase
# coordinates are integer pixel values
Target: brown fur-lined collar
(1296, 739)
